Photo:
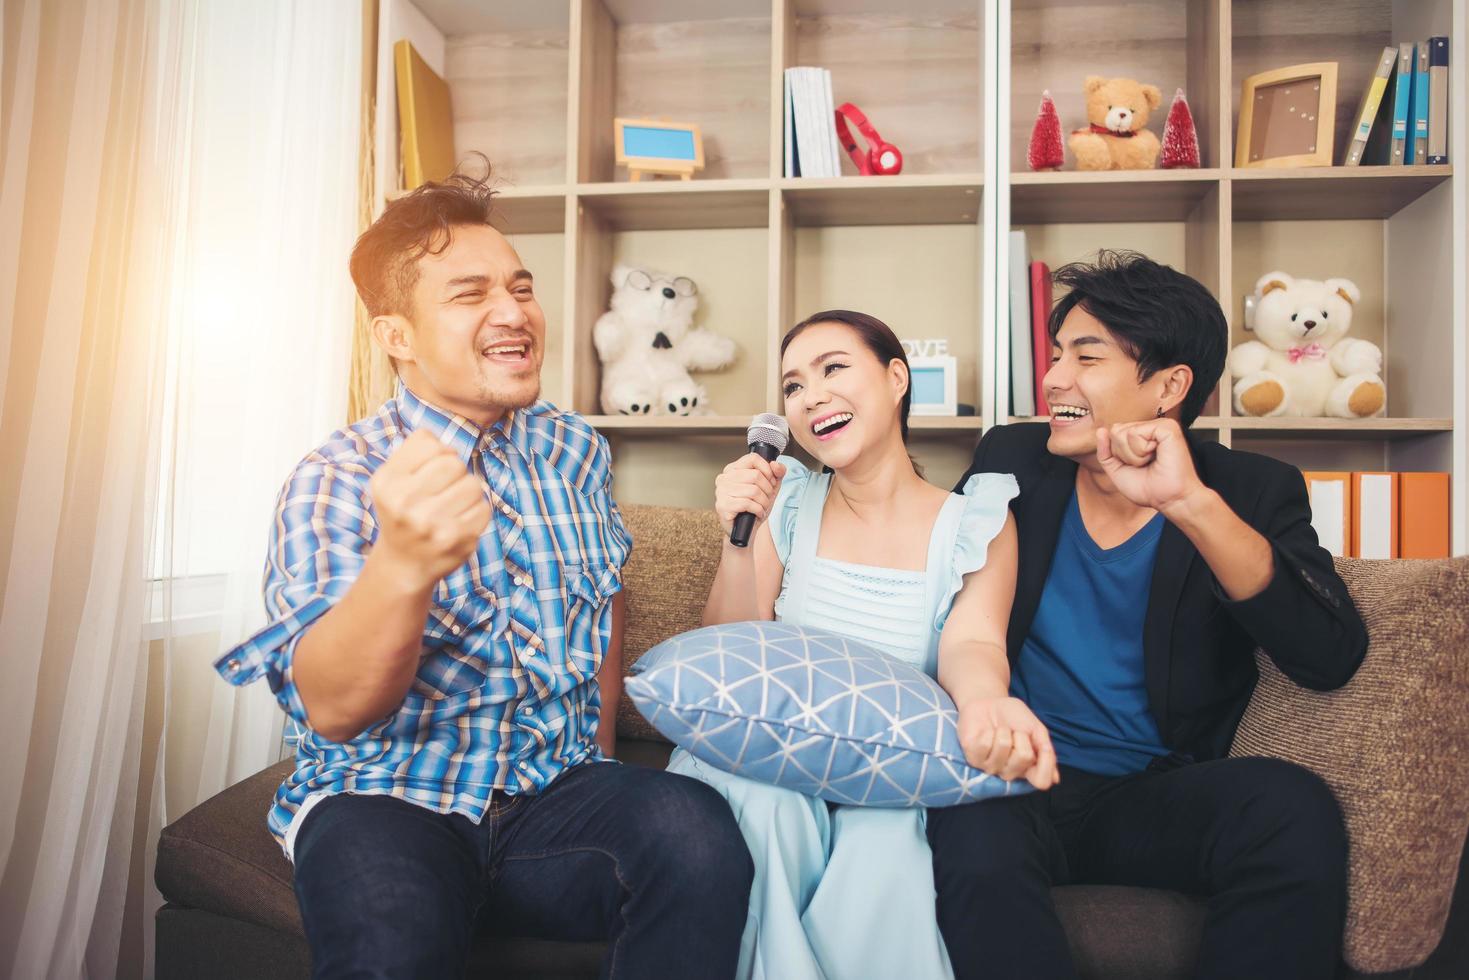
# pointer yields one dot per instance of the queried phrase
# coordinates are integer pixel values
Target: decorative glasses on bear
(683, 285)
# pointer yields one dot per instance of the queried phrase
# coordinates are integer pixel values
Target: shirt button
(233, 664)
(521, 581)
(505, 509)
(455, 630)
(527, 711)
(525, 765)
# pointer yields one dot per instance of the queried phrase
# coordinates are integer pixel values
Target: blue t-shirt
(1081, 669)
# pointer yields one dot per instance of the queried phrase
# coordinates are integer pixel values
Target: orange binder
(1331, 510)
(1423, 515)
(1375, 515)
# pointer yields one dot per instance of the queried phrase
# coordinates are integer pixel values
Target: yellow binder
(425, 119)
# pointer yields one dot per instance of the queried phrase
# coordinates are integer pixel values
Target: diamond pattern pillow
(811, 711)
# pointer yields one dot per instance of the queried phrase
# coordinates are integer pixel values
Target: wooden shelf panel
(1108, 195)
(945, 423)
(904, 199)
(661, 425)
(1325, 193)
(531, 210)
(1309, 428)
(736, 425)
(683, 204)
(1340, 428)
(1205, 422)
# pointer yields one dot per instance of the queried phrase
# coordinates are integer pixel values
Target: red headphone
(880, 157)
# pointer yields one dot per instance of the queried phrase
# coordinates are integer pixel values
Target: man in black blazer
(1152, 564)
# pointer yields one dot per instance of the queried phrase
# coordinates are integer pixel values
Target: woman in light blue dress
(870, 550)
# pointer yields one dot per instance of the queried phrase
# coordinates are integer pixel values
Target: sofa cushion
(230, 895)
(221, 857)
(812, 711)
(1393, 744)
(667, 578)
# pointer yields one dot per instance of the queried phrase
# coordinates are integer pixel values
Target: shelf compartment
(1084, 197)
(683, 204)
(530, 210)
(1330, 193)
(506, 67)
(904, 199)
(1054, 46)
(914, 69)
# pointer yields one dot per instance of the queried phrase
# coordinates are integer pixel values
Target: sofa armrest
(1393, 744)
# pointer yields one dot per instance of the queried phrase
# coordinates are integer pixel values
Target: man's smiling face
(1093, 382)
(476, 333)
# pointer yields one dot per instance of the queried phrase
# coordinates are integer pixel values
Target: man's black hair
(1158, 315)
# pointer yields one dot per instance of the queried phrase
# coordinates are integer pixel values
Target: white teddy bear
(1304, 364)
(648, 346)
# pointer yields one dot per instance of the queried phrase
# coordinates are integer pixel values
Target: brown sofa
(231, 913)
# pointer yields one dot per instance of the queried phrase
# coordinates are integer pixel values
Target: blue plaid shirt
(506, 694)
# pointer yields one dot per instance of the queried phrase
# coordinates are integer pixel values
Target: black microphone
(767, 436)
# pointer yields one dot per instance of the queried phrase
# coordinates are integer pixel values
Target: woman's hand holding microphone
(747, 486)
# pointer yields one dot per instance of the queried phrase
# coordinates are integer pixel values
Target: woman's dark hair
(878, 337)
(1159, 316)
(385, 259)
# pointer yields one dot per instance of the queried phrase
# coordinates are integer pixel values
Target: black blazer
(1198, 644)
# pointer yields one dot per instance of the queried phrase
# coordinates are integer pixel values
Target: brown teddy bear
(1117, 109)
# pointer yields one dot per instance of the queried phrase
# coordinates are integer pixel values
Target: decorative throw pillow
(810, 711)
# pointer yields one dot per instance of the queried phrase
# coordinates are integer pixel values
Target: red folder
(1040, 312)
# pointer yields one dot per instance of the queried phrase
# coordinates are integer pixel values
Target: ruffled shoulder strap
(987, 499)
(787, 505)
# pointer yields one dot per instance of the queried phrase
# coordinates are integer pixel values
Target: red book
(1040, 313)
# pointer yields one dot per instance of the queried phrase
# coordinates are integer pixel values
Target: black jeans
(1261, 838)
(649, 861)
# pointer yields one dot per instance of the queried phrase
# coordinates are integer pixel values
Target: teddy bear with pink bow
(1303, 364)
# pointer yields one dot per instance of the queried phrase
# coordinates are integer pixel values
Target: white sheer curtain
(265, 308)
(178, 193)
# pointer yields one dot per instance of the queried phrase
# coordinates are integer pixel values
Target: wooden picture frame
(658, 147)
(1277, 128)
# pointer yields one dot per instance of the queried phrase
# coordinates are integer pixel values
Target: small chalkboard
(658, 147)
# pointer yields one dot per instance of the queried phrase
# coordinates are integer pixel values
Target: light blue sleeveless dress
(846, 892)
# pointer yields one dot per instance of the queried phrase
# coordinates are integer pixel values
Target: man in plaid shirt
(443, 579)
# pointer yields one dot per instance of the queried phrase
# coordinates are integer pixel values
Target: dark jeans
(649, 861)
(1261, 838)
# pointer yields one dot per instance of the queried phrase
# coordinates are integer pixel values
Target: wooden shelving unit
(954, 83)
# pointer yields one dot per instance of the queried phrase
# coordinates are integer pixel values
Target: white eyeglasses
(683, 285)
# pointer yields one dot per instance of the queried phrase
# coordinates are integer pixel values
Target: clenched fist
(746, 486)
(430, 510)
(1004, 738)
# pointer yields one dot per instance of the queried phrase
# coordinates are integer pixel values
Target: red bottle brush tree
(1180, 139)
(1046, 151)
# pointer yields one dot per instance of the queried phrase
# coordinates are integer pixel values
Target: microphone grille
(770, 429)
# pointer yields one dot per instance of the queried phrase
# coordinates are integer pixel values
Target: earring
(1160, 412)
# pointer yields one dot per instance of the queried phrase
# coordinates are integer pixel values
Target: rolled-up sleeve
(321, 534)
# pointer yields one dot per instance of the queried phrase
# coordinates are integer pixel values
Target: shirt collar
(460, 434)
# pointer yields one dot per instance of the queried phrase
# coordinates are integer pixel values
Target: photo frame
(934, 384)
(656, 146)
(1287, 117)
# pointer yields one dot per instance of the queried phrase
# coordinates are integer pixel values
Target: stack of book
(1030, 341)
(1380, 515)
(1411, 125)
(810, 124)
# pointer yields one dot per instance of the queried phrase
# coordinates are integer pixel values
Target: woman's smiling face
(839, 398)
